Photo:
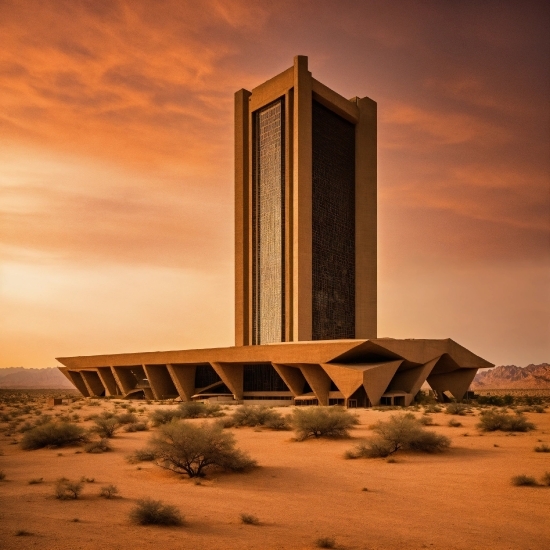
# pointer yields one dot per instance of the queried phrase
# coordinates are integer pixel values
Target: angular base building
(305, 272)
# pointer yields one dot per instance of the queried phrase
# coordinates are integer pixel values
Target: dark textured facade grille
(262, 377)
(268, 224)
(205, 375)
(333, 226)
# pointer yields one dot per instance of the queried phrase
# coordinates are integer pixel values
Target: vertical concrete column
(289, 214)
(302, 202)
(242, 223)
(366, 220)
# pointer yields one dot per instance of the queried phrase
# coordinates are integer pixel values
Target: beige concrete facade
(324, 372)
(299, 90)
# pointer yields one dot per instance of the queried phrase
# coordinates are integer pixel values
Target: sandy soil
(462, 499)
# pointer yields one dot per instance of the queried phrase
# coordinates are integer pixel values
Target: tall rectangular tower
(305, 212)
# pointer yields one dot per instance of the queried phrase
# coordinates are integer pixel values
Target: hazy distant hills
(18, 378)
(505, 377)
(510, 377)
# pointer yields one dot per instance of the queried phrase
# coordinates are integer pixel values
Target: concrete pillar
(93, 383)
(318, 380)
(106, 376)
(160, 381)
(76, 379)
(457, 382)
(183, 377)
(232, 376)
(292, 377)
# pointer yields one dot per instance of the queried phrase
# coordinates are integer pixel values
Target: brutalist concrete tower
(305, 212)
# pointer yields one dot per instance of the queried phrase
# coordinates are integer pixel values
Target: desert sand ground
(462, 499)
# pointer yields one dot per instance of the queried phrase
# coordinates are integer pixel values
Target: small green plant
(65, 489)
(542, 448)
(325, 542)
(108, 491)
(154, 512)
(98, 446)
(524, 481)
(249, 519)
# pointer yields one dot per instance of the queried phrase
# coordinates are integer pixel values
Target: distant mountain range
(19, 378)
(510, 377)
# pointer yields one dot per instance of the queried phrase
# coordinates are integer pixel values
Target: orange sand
(462, 499)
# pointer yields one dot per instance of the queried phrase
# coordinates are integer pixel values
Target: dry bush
(36, 481)
(491, 421)
(400, 432)
(99, 446)
(542, 448)
(127, 418)
(141, 455)
(333, 422)
(23, 533)
(546, 479)
(254, 415)
(108, 491)
(65, 489)
(106, 425)
(154, 512)
(457, 408)
(196, 409)
(185, 448)
(454, 423)
(54, 434)
(325, 542)
(249, 519)
(524, 481)
(426, 420)
(2, 475)
(136, 427)
(163, 416)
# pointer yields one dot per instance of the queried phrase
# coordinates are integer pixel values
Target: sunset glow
(116, 166)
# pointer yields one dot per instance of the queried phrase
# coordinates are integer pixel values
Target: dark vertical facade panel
(333, 226)
(268, 224)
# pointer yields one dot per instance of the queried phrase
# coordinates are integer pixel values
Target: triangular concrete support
(76, 379)
(376, 379)
(318, 380)
(457, 382)
(106, 376)
(183, 377)
(346, 378)
(411, 380)
(232, 376)
(124, 378)
(292, 377)
(160, 381)
(93, 383)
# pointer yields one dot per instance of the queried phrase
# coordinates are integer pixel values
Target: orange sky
(116, 166)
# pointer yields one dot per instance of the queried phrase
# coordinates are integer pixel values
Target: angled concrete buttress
(318, 380)
(457, 382)
(106, 376)
(160, 381)
(93, 383)
(183, 377)
(76, 379)
(292, 377)
(232, 376)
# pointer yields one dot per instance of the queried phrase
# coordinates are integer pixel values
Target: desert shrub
(278, 422)
(317, 422)
(325, 542)
(108, 491)
(163, 416)
(546, 479)
(254, 415)
(136, 427)
(524, 481)
(65, 489)
(56, 434)
(196, 409)
(249, 519)
(426, 420)
(98, 446)
(127, 418)
(36, 481)
(2, 475)
(142, 455)
(432, 408)
(454, 423)
(186, 448)
(154, 512)
(23, 533)
(226, 422)
(495, 400)
(401, 432)
(542, 448)
(457, 408)
(106, 425)
(491, 421)
(424, 398)
(25, 427)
